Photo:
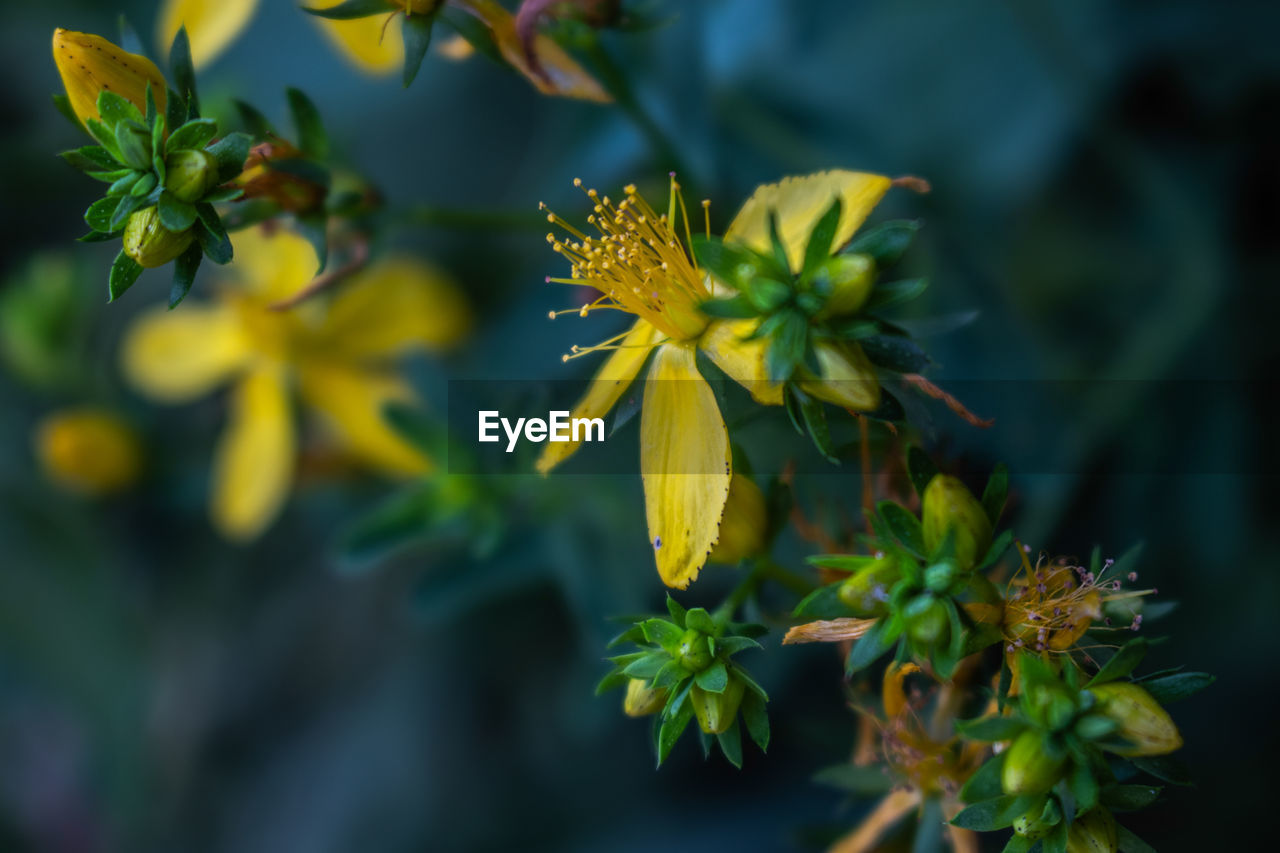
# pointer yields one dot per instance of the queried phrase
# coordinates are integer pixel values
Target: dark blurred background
(1104, 182)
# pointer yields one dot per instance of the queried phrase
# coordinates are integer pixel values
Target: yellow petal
(891, 692)
(608, 386)
(212, 25)
(273, 264)
(372, 44)
(88, 451)
(848, 379)
(254, 460)
(742, 360)
(351, 401)
(876, 825)
(685, 462)
(742, 526)
(175, 356)
(88, 64)
(561, 74)
(396, 305)
(799, 202)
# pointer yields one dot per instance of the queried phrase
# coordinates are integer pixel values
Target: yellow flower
(89, 64)
(640, 265)
(88, 451)
(374, 44)
(337, 356)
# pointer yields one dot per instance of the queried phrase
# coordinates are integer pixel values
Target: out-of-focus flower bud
(949, 505)
(88, 451)
(847, 380)
(742, 527)
(716, 711)
(694, 651)
(1141, 719)
(150, 243)
(851, 277)
(1093, 832)
(926, 618)
(89, 64)
(866, 592)
(293, 193)
(1030, 765)
(1036, 822)
(643, 700)
(190, 174)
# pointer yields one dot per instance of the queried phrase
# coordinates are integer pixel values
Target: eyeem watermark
(557, 427)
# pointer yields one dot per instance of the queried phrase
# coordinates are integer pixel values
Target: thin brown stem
(359, 257)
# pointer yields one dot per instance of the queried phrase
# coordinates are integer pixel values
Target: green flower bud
(695, 651)
(1036, 822)
(190, 174)
(643, 700)
(1093, 832)
(926, 619)
(851, 277)
(940, 576)
(1141, 720)
(1031, 764)
(716, 711)
(948, 504)
(150, 243)
(866, 592)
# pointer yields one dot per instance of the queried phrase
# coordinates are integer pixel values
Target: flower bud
(1036, 822)
(847, 380)
(1141, 719)
(89, 64)
(926, 619)
(949, 505)
(88, 451)
(189, 174)
(940, 576)
(150, 243)
(643, 700)
(694, 651)
(851, 277)
(1030, 765)
(716, 711)
(1093, 832)
(742, 527)
(866, 592)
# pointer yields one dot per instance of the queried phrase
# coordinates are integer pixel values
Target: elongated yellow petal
(88, 64)
(274, 264)
(351, 400)
(799, 202)
(608, 386)
(371, 44)
(397, 305)
(742, 360)
(848, 379)
(254, 460)
(212, 25)
(560, 73)
(685, 462)
(174, 356)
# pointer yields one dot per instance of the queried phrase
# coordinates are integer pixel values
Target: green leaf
(869, 647)
(91, 158)
(920, 468)
(175, 110)
(194, 135)
(184, 274)
(990, 815)
(885, 243)
(1164, 767)
(177, 216)
(713, 679)
(672, 727)
(1056, 840)
(730, 263)
(351, 9)
(997, 549)
(1122, 662)
(700, 620)
(257, 124)
(648, 666)
(313, 227)
(662, 632)
(230, 153)
(731, 744)
(787, 346)
(219, 194)
(677, 612)
(183, 73)
(143, 185)
(106, 137)
(818, 248)
(124, 272)
(388, 527)
(1176, 686)
(823, 603)
(671, 674)
(62, 104)
(904, 526)
(996, 492)
(1083, 786)
(1019, 844)
(1095, 726)
(756, 719)
(887, 293)
(732, 645)
(767, 294)
(416, 33)
(734, 307)
(992, 728)
(985, 783)
(895, 353)
(865, 780)
(129, 142)
(212, 236)
(1127, 842)
(98, 216)
(1130, 798)
(814, 415)
(746, 679)
(841, 562)
(312, 138)
(114, 108)
(128, 204)
(612, 681)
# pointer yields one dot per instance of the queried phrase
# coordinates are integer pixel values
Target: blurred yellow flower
(337, 356)
(88, 64)
(88, 451)
(373, 43)
(640, 265)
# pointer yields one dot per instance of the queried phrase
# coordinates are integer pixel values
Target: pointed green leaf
(713, 679)
(124, 272)
(184, 274)
(731, 744)
(195, 135)
(417, 38)
(183, 73)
